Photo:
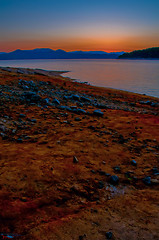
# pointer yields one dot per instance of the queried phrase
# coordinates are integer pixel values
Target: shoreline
(131, 84)
(76, 161)
(59, 73)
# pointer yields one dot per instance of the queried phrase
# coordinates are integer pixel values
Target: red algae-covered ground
(76, 161)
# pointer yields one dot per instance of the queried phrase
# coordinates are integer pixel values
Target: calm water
(141, 76)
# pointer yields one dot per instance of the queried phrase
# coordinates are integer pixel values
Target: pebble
(155, 181)
(78, 111)
(21, 115)
(77, 119)
(4, 136)
(155, 171)
(19, 140)
(98, 113)
(100, 184)
(56, 101)
(33, 120)
(75, 160)
(121, 139)
(81, 237)
(147, 180)
(102, 106)
(103, 173)
(117, 169)
(46, 101)
(114, 179)
(109, 235)
(76, 97)
(134, 163)
(85, 99)
(31, 97)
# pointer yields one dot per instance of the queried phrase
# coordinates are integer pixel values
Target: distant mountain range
(47, 53)
(149, 53)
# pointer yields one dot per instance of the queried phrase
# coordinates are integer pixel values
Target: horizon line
(113, 51)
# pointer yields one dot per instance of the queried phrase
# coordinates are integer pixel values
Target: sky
(100, 25)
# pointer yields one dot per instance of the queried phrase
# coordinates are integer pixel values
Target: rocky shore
(76, 161)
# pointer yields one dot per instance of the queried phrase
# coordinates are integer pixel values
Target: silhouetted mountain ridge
(149, 53)
(47, 53)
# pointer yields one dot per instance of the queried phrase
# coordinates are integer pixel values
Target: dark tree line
(145, 53)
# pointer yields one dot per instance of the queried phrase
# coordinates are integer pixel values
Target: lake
(140, 76)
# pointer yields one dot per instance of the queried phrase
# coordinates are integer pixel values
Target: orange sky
(85, 44)
(117, 25)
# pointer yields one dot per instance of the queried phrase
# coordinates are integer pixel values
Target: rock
(145, 102)
(98, 113)
(81, 237)
(25, 88)
(23, 199)
(114, 179)
(94, 210)
(132, 104)
(75, 160)
(56, 101)
(25, 85)
(78, 111)
(109, 235)
(21, 115)
(91, 127)
(100, 184)
(134, 163)
(155, 181)
(154, 104)
(19, 140)
(77, 119)
(85, 99)
(147, 180)
(80, 104)
(33, 120)
(155, 171)
(65, 108)
(14, 131)
(103, 173)
(121, 139)
(101, 106)
(75, 97)
(20, 71)
(31, 97)
(4, 136)
(46, 101)
(66, 97)
(135, 178)
(65, 121)
(117, 169)
(2, 128)
(73, 107)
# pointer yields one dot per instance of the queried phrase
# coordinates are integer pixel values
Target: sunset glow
(84, 25)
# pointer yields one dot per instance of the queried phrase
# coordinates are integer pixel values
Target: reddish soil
(45, 193)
